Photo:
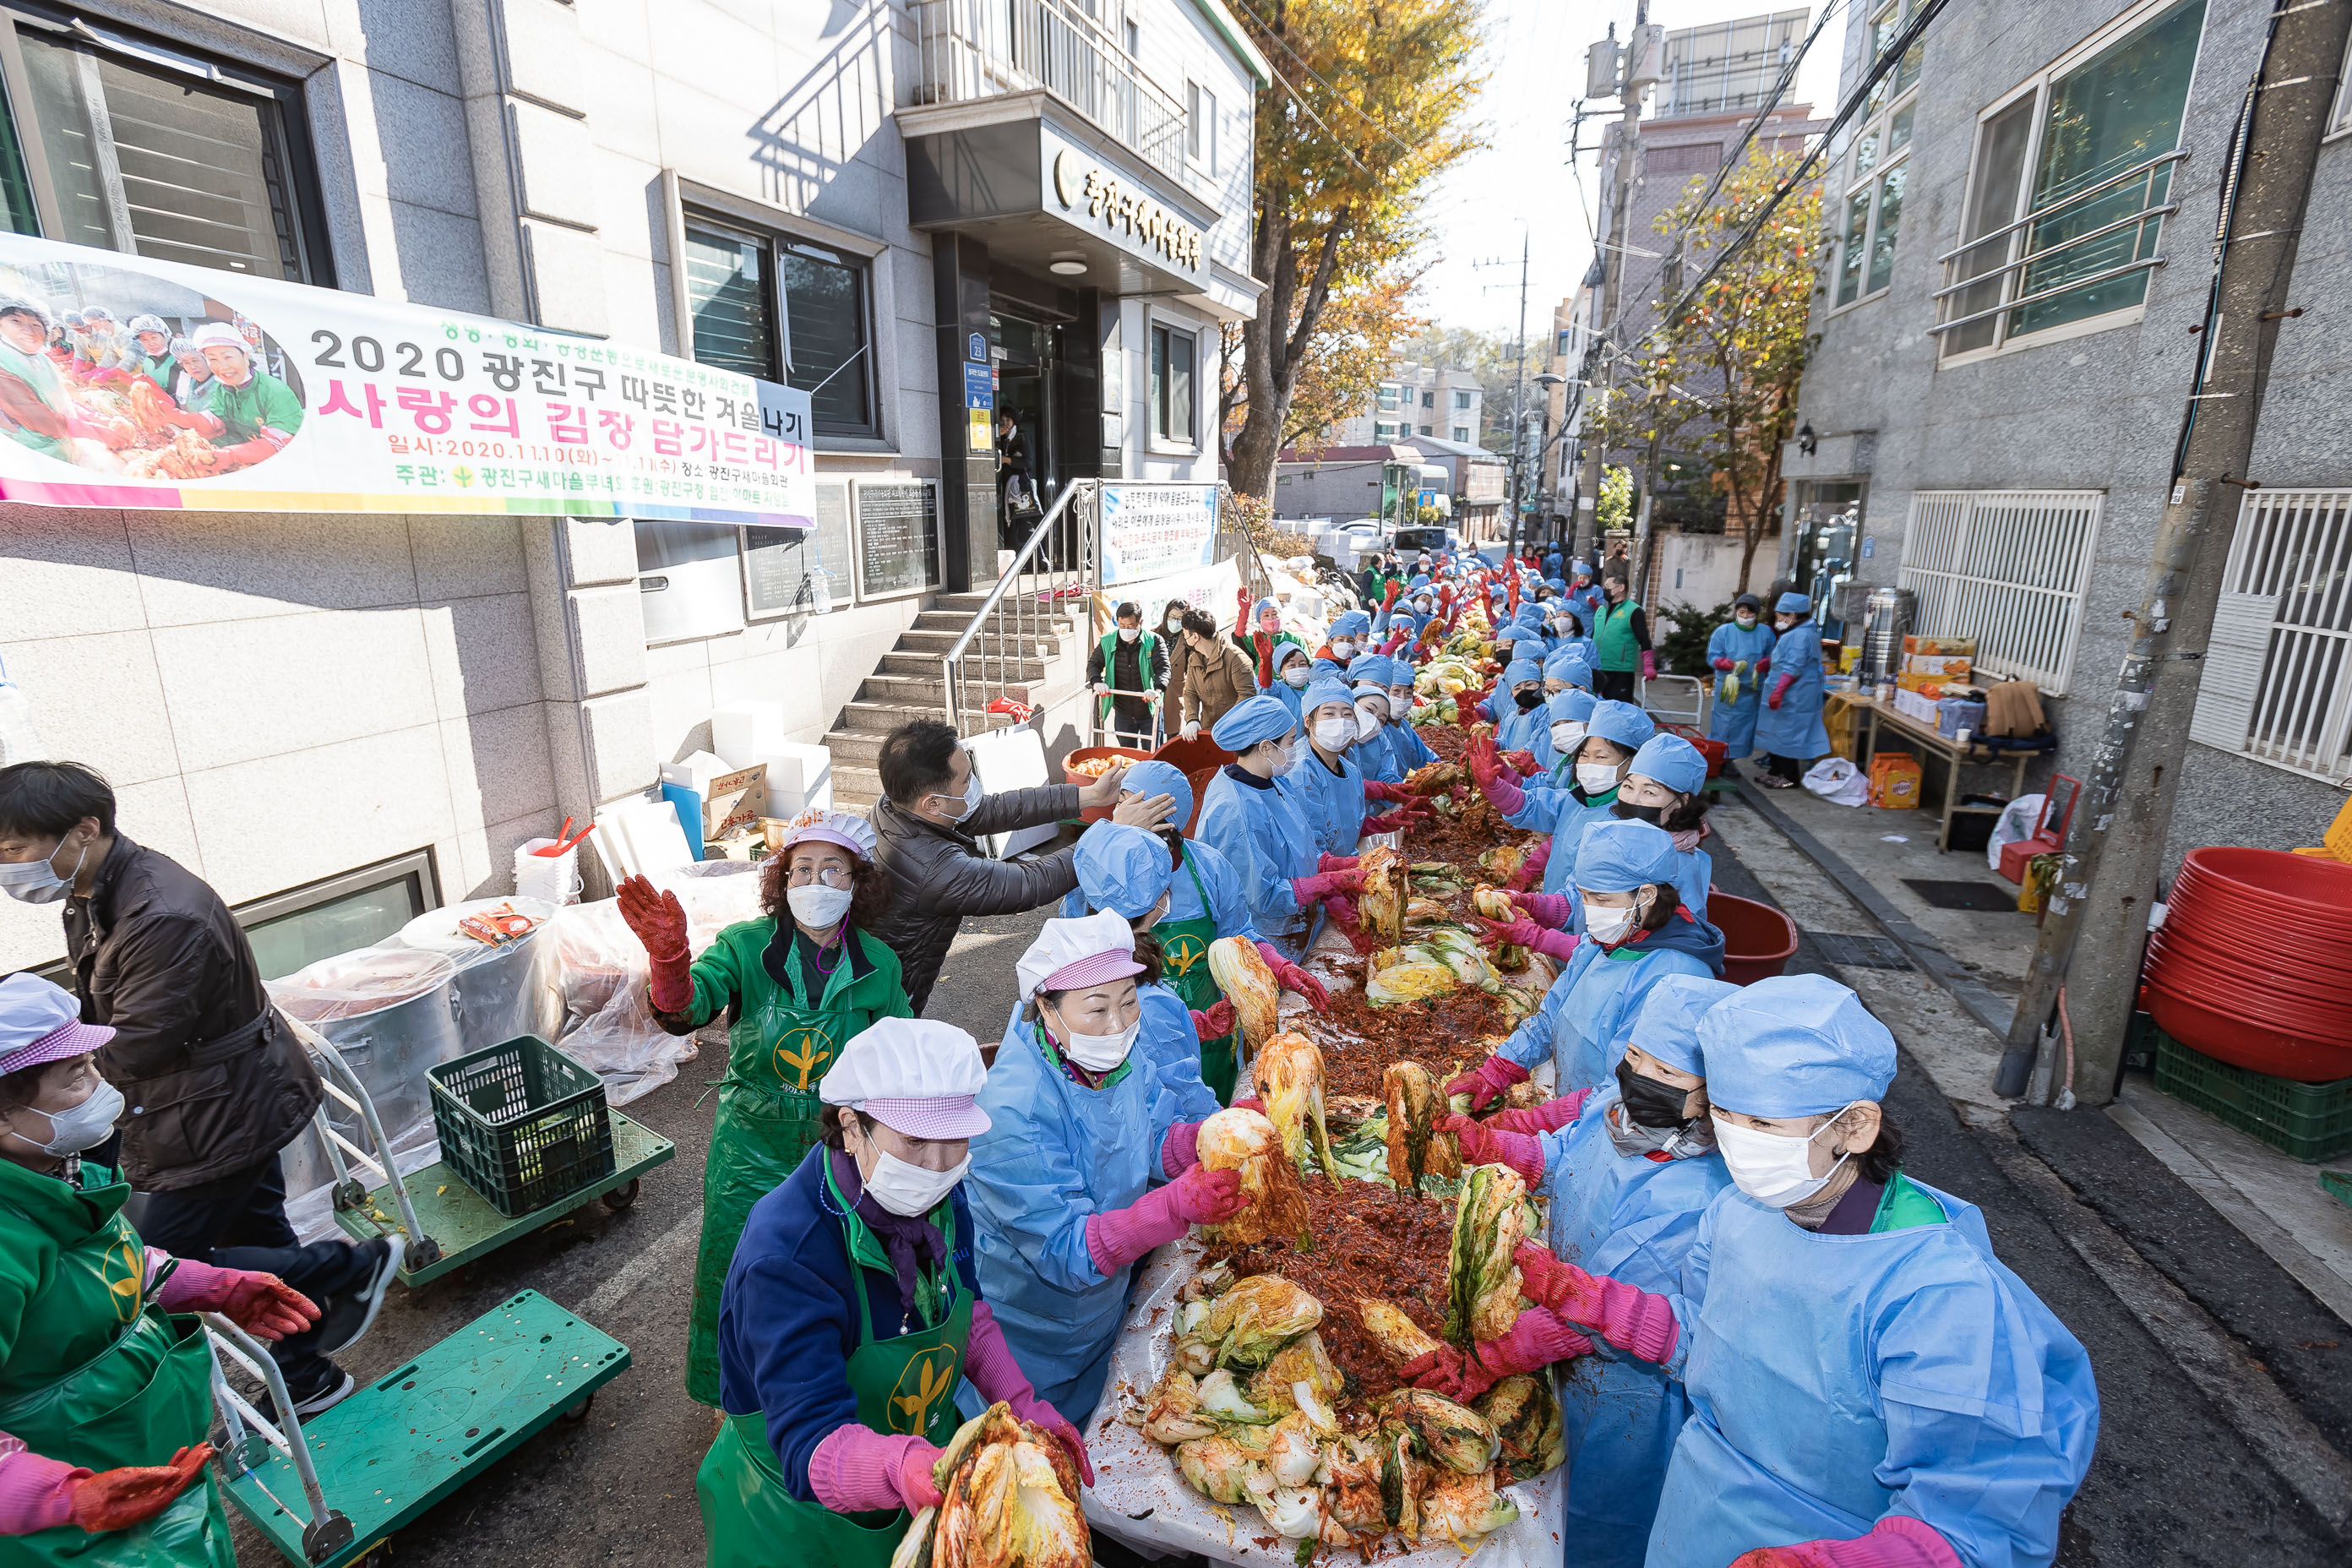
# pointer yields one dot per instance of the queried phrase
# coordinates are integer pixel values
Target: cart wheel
(579, 1411)
(620, 1198)
(378, 1556)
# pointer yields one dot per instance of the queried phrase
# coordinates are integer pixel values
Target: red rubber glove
(1290, 978)
(1480, 757)
(1314, 889)
(1779, 690)
(1335, 863)
(1724, 665)
(1374, 789)
(1414, 808)
(263, 1305)
(659, 920)
(1649, 665)
(1485, 1082)
(1637, 1321)
(133, 1494)
(1535, 1341)
(1896, 1540)
(1116, 1237)
(1764, 664)
(1549, 909)
(1532, 871)
(1549, 1117)
(1526, 934)
(1396, 592)
(1497, 785)
(1241, 608)
(1525, 762)
(1215, 1022)
(1482, 1145)
(1396, 640)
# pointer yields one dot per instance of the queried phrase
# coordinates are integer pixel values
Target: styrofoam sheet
(1141, 1499)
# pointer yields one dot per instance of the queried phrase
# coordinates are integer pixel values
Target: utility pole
(1518, 406)
(2087, 960)
(1599, 365)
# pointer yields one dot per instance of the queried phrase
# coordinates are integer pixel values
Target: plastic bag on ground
(1837, 781)
(2015, 822)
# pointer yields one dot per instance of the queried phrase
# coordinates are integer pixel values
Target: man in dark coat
(213, 1081)
(927, 825)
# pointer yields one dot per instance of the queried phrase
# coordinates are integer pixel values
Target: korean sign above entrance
(132, 382)
(1121, 208)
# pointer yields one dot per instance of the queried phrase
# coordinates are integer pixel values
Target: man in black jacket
(213, 1080)
(928, 824)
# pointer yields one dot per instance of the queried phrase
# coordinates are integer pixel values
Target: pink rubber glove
(1290, 978)
(1116, 1237)
(1376, 789)
(1396, 821)
(1213, 1023)
(1549, 1117)
(855, 1470)
(1342, 910)
(1181, 1149)
(989, 1363)
(1764, 664)
(1896, 1540)
(1337, 862)
(36, 1491)
(1501, 787)
(263, 1305)
(1313, 890)
(1637, 1321)
(1527, 934)
(1485, 1082)
(1649, 665)
(1548, 909)
(1535, 1341)
(1482, 1145)
(1779, 690)
(1532, 871)
(1724, 664)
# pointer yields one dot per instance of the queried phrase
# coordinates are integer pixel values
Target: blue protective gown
(1734, 723)
(1375, 759)
(1587, 600)
(1794, 729)
(1265, 838)
(1587, 1016)
(1836, 1379)
(1056, 1153)
(1631, 1218)
(1405, 748)
(1519, 732)
(1291, 699)
(1559, 808)
(1167, 1042)
(1332, 803)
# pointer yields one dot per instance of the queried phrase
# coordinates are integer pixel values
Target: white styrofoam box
(1012, 759)
(638, 836)
(698, 770)
(791, 803)
(747, 732)
(794, 768)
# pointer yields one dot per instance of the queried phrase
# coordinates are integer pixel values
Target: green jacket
(732, 973)
(262, 400)
(47, 1225)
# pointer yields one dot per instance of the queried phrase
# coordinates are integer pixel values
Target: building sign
(132, 382)
(1154, 530)
(1124, 209)
(979, 401)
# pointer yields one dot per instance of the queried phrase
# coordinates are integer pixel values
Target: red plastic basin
(1757, 940)
(2245, 1045)
(1088, 754)
(2324, 886)
(2271, 971)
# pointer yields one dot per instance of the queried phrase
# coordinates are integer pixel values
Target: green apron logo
(1182, 953)
(803, 1052)
(927, 1380)
(123, 1269)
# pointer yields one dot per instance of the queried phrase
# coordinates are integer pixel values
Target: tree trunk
(1270, 359)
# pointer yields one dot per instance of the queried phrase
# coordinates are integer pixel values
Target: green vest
(1613, 636)
(1147, 649)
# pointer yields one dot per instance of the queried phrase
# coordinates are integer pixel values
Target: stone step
(875, 717)
(941, 642)
(925, 667)
(854, 788)
(918, 693)
(1060, 621)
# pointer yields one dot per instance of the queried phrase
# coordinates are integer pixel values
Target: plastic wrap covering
(599, 969)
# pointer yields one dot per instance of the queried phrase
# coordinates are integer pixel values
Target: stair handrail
(990, 615)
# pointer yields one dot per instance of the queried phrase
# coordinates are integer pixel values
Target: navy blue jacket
(788, 1320)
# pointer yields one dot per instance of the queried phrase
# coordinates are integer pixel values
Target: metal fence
(2276, 685)
(2008, 568)
(970, 50)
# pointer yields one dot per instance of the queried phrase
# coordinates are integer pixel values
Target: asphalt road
(2173, 1482)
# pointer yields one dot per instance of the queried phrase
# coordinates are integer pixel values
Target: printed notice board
(898, 537)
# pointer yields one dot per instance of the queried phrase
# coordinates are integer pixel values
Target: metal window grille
(2008, 568)
(2276, 686)
(969, 49)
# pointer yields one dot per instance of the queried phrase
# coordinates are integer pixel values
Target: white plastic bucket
(553, 878)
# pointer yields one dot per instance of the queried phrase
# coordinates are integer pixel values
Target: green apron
(145, 1391)
(777, 1053)
(904, 1385)
(1185, 945)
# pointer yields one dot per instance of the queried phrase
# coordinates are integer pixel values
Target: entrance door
(1025, 456)
(1828, 514)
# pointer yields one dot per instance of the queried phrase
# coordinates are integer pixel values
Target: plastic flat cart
(330, 1491)
(448, 1224)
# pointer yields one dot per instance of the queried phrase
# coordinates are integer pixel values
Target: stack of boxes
(1932, 668)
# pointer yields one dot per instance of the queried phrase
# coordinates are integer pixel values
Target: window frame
(297, 150)
(1462, 434)
(2036, 89)
(2339, 113)
(417, 865)
(1876, 129)
(1157, 403)
(1201, 126)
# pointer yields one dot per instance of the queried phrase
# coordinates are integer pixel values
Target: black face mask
(1648, 1103)
(1627, 811)
(1526, 700)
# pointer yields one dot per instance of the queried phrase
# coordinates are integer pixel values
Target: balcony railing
(984, 49)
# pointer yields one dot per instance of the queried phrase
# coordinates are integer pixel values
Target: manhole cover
(1958, 895)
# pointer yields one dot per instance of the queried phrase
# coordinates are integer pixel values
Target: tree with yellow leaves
(1719, 379)
(1362, 331)
(1372, 100)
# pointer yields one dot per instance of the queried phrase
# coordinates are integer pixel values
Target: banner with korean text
(132, 382)
(1153, 530)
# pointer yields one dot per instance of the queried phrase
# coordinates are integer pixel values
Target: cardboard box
(1954, 664)
(1913, 705)
(1928, 686)
(1894, 781)
(1964, 645)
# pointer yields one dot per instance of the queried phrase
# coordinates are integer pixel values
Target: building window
(121, 144)
(2069, 188)
(1172, 385)
(2008, 568)
(1461, 402)
(785, 309)
(1462, 433)
(1425, 430)
(1384, 430)
(1391, 397)
(1134, 37)
(1201, 127)
(293, 929)
(1429, 400)
(2277, 682)
(1879, 166)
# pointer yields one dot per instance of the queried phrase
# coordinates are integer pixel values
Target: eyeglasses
(831, 876)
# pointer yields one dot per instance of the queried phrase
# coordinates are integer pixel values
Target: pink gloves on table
(1634, 1320)
(1485, 1083)
(1535, 1341)
(1896, 1540)
(1116, 1237)
(1484, 1145)
(1290, 978)
(1549, 1117)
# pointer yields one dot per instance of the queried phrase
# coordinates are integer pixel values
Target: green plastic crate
(522, 1123)
(2312, 1121)
(2338, 1184)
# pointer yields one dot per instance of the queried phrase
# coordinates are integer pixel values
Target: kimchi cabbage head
(1482, 1283)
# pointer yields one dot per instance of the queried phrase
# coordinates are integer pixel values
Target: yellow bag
(1894, 781)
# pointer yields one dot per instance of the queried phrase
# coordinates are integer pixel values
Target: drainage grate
(1980, 896)
(1860, 952)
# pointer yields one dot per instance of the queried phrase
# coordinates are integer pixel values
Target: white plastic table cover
(1140, 1499)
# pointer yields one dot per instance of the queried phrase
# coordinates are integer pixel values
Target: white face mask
(1285, 759)
(1596, 778)
(1367, 721)
(1129, 634)
(36, 881)
(1400, 699)
(1609, 927)
(85, 1126)
(1745, 620)
(1566, 737)
(818, 906)
(1772, 1168)
(907, 1190)
(1335, 735)
(1295, 677)
(1097, 1053)
(970, 797)
(1344, 648)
